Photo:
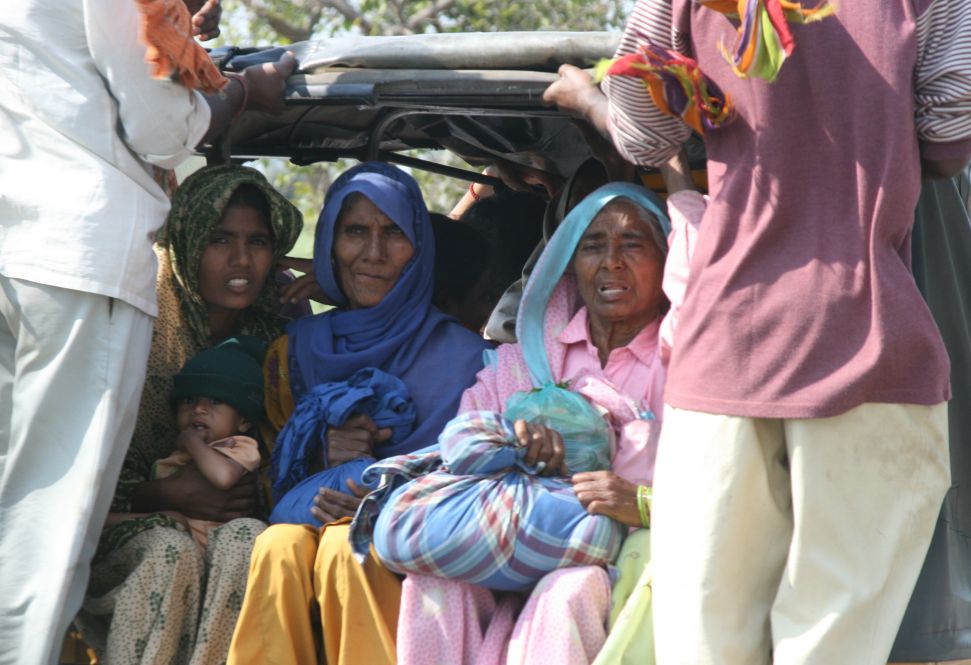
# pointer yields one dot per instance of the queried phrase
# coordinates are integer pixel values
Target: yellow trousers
(305, 586)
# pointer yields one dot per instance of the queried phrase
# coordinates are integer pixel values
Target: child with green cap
(218, 399)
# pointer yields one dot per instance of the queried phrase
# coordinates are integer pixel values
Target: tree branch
(419, 18)
(399, 12)
(283, 27)
(348, 11)
(314, 11)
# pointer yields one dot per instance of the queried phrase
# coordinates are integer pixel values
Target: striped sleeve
(943, 74)
(641, 132)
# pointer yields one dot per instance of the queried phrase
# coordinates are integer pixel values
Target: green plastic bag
(586, 436)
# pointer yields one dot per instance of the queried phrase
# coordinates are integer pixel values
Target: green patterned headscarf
(197, 207)
(182, 327)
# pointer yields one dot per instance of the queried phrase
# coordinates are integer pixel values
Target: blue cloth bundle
(379, 395)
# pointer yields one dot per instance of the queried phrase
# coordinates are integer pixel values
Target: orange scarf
(166, 30)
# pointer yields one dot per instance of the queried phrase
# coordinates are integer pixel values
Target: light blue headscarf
(557, 257)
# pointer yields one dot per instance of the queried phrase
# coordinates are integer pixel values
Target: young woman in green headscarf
(146, 600)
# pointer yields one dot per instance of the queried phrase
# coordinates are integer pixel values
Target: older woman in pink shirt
(607, 318)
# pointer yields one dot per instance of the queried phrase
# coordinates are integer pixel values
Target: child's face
(212, 418)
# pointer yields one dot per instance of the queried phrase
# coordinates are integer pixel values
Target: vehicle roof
(478, 95)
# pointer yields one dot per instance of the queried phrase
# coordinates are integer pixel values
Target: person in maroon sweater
(804, 455)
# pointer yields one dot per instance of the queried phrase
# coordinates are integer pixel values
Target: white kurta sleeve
(160, 121)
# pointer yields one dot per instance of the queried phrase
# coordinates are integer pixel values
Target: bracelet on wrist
(645, 495)
(245, 88)
(475, 197)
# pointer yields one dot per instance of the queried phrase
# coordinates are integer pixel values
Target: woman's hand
(189, 493)
(544, 448)
(356, 439)
(185, 438)
(677, 174)
(304, 287)
(331, 505)
(521, 178)
(606, 493)
(475, 193)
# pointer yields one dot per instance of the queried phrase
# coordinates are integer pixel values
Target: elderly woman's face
(619, 267)
(370, 252)
(237, 259)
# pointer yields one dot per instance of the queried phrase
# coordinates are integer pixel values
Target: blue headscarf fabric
(403, 335)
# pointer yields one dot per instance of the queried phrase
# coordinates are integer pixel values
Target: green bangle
(644, 496)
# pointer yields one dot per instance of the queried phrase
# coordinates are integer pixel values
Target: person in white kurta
(81, 121)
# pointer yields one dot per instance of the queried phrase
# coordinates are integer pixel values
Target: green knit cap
(231, 371)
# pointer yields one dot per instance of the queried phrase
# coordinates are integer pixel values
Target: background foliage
(255, 22)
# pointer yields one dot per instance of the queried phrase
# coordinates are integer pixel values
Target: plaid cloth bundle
(475, 512)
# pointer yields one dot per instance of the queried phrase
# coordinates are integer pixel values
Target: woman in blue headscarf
(373, 257)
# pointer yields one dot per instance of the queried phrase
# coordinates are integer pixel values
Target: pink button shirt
(637, 370)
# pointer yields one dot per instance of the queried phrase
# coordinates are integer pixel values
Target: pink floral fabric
(479, 629)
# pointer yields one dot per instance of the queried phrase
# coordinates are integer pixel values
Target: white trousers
(72, 366)
(792, 541)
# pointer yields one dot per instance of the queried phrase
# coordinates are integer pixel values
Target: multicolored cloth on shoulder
(764, 38)
(482, 515)
(676, 84)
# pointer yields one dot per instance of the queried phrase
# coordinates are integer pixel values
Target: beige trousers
(792, 541)
(72, 366)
